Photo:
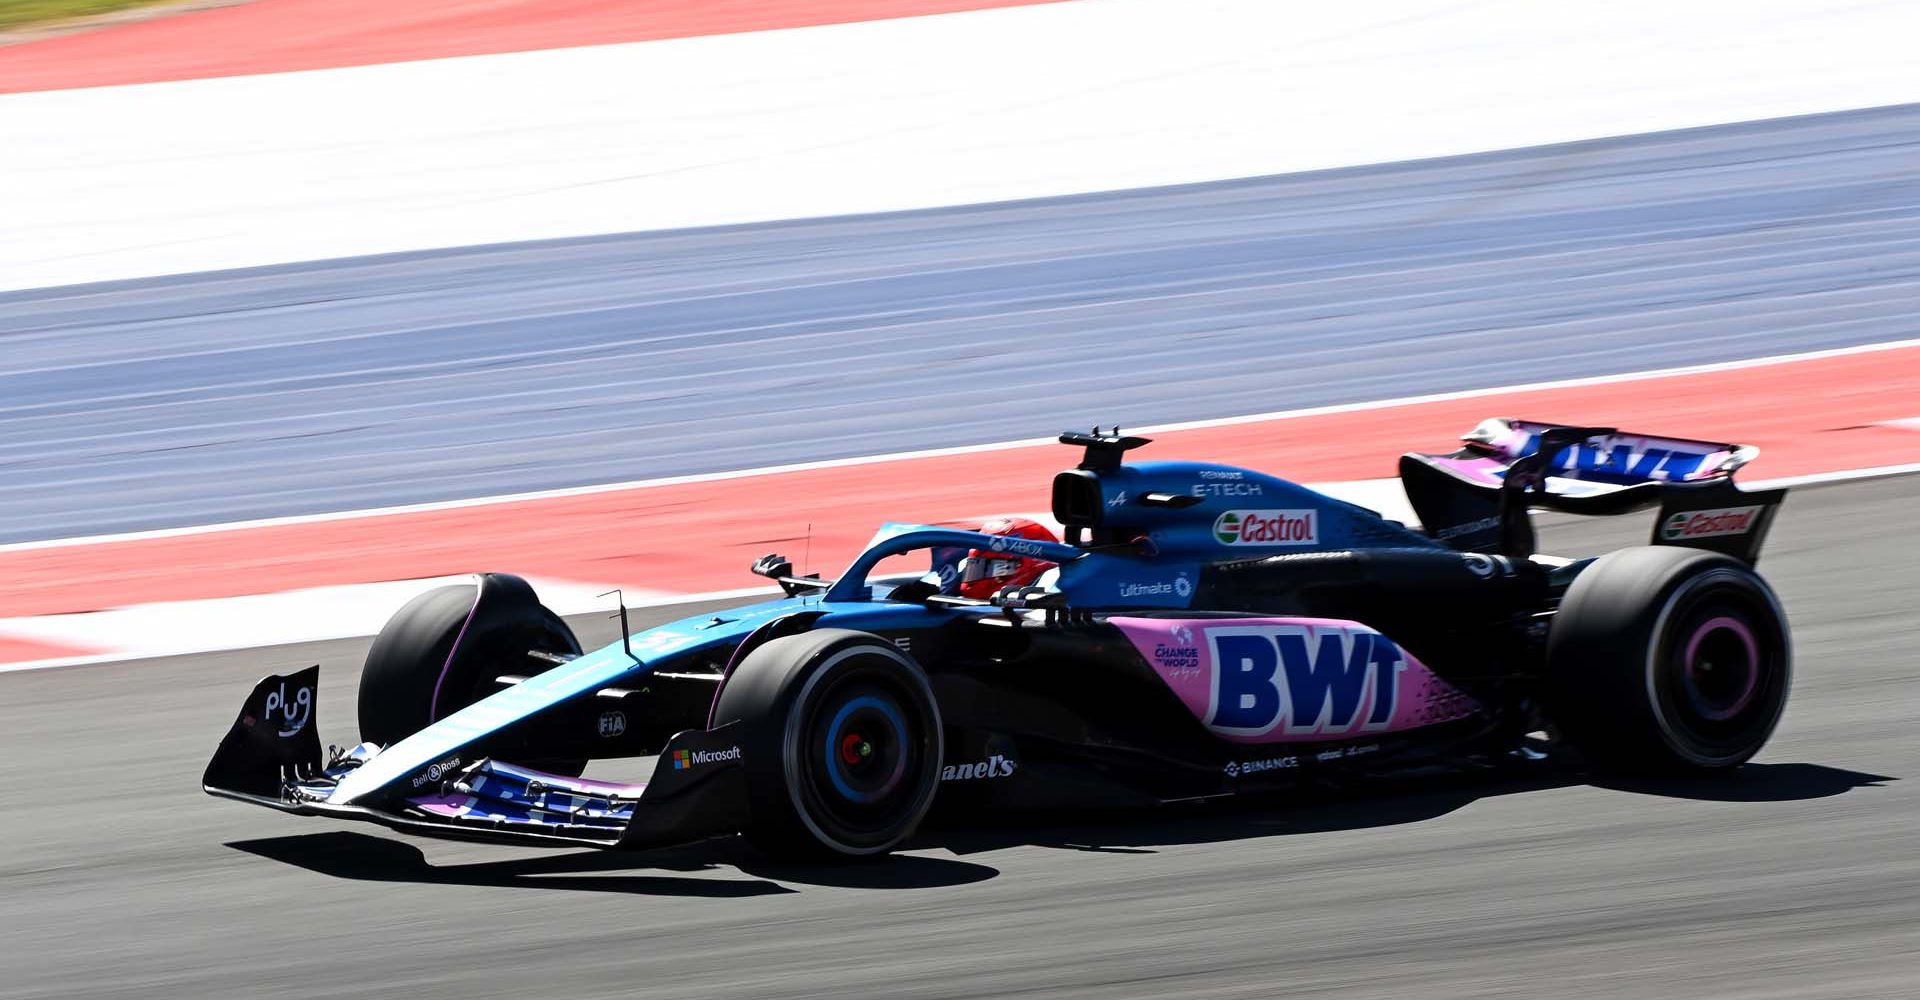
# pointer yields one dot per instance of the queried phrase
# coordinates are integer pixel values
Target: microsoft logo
(684, 759)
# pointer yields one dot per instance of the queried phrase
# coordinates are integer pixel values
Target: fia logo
(613, 723)
(295, 714)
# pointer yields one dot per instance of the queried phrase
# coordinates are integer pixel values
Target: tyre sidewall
(403, 667)
(441, 652)
(1681, 607)
(1611, 675)
(777, 692)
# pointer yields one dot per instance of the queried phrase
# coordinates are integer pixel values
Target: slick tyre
(442, 650)
(1665, 659)
(842, 744)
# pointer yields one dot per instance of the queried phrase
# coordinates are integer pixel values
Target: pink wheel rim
(1693, 670)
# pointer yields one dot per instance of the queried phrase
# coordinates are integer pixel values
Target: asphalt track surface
(449, 374)
(1797, 877)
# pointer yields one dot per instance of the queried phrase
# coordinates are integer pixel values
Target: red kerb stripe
(275, 36)
(1807, 417)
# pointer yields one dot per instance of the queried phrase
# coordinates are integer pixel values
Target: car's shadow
(373, 858)
(1390, 802)
(1752, 783)
(1377, 803)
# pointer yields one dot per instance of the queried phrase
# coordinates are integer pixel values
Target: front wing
(271, 756)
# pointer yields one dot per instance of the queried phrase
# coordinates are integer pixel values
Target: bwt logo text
(1302, 679)
(1623, 461)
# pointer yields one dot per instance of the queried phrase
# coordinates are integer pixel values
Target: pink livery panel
(1293, 680)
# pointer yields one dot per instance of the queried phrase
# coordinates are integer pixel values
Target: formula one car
(1206, 631)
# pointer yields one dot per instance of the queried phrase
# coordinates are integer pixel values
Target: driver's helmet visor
(982, 566)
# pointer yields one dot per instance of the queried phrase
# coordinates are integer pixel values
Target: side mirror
(773, 567)
(779, 569)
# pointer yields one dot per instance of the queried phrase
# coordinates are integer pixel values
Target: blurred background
(307, 306)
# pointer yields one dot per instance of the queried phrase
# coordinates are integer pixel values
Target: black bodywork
(1046, 700)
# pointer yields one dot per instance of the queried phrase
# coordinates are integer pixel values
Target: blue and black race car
(1205, 631)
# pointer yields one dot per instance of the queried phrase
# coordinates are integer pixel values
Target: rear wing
(1478, 499)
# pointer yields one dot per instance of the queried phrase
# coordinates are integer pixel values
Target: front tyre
(842, 743)
(442, 651)
(1664, 658)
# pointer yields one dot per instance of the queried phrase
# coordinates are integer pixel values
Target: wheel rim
(863, 746)
(1720, 669)
(1720, 679)
(865, 756)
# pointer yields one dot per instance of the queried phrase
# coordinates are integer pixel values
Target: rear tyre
(1664, 658)
(442, 650)
(842, 744)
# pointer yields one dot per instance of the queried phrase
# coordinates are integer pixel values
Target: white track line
(1843, 476)
(707, 477)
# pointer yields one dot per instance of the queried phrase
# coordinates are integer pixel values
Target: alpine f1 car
(1202, 631)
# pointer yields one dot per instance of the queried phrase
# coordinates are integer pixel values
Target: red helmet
(985, 571)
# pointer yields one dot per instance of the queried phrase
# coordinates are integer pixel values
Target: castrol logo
(1268, 527)
(1691, 524)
